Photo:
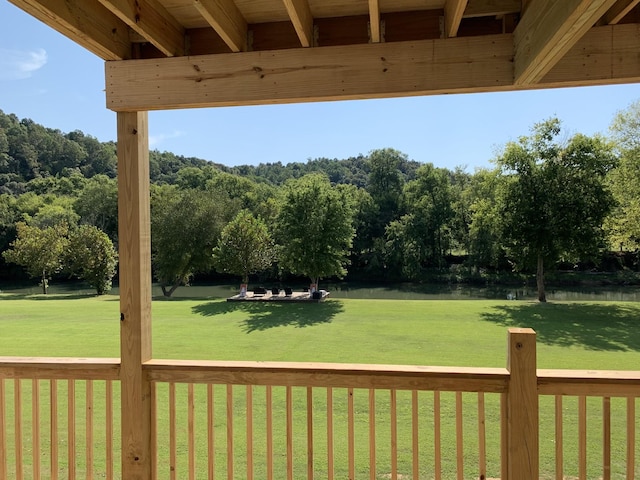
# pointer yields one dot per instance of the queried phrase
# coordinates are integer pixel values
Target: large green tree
(624, 222)
(553, 199)
(245, 247)
(315, 228)
(39, 250)
(92, 257)
(428, 201)
(185, 227)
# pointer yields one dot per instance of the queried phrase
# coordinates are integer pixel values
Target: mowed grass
(576, 335)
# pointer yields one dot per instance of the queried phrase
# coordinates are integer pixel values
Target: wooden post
(134, 235)
(522, 406)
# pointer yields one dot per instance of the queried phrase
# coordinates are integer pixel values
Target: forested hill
(30, 154)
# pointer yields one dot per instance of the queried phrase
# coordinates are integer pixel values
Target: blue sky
(49, 79)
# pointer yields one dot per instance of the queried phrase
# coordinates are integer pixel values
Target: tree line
(549, 200)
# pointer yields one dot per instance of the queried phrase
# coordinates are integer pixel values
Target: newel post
(134, 238)
(522, 406)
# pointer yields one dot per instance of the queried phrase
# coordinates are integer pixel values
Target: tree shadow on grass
(50, 297)
(266, 315)
(595, 327)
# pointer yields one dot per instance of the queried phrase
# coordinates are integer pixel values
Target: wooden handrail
(400, 377)
(596, 383)
(56, 368)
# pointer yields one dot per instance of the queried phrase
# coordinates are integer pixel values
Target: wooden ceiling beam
(605, 55)
(375, 70)
(302, 19)
(548, 30)
(619, 11)
(453, 11)
(227, 20)
(375, 34)
(86, 22)
(490, 8)
(151, 20)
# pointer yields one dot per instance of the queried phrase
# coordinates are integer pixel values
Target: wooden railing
(280, 420)
(49, 426)
(60, 418)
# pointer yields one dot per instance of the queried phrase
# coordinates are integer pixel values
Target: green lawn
(580, 335)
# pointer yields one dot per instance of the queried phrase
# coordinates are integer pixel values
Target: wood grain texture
(548, 30)
(227, 20)
(522, 405)
(152, 21)
(86, 22)
(469, 64)
(134, 233)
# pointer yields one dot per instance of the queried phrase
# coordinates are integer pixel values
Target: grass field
(584, 335)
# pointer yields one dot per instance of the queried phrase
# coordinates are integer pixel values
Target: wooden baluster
(35, 427)
(631, 438)
(504, 436)
(437, 442)
(53, 393)
(109, 428)
(71, 428)
(582, 438)
(269, 432)
(394, 435)
(3, 429)
(229, 432)
(191, 431)
(210, 434)
(310, 433)
(329, 433)
(372, 434)
(17, 409)
(606, 436)
(482, 437)
(559, 439)
(415, 434)
(459, 438)
(351, 434)
(289, 407)
(249, 432)
(89, 429)
(173, 458)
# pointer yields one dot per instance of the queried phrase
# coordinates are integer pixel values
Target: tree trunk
(44, 282)
(542, 296)
(169, 292)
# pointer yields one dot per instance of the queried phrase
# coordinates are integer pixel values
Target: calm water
(393, 291)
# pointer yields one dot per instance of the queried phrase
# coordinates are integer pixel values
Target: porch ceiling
(195, 53)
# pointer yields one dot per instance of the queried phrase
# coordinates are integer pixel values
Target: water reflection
(392, 291)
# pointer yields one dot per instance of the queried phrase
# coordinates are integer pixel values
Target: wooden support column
(134, 234)
(522, 406)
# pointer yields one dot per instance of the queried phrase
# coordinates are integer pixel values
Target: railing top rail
(60, 368)
(401, 377)
(601, 383)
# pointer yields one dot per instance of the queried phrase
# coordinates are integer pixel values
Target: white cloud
(20, 64)
(155, 140)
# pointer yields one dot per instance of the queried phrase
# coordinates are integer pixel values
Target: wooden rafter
(374, 21)
(227, 20)
(489, 8)
(453, 11)
(548, 30)
(382, 70)
(619, 11)
(86, 22)
(151, 20)
(302, 19)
